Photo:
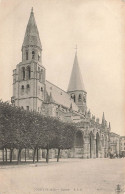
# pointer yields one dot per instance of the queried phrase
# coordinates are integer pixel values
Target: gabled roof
(76, 82)
(60, 97)
(32, 35)
(114, 134)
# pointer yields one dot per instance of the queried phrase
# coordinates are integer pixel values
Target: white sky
(96, 26)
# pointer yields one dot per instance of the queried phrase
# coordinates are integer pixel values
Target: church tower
(76, 88)
(29, 75)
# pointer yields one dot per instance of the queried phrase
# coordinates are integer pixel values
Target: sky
(96, 26)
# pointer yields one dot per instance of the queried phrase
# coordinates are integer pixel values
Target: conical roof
(32, 35)
(76, 82)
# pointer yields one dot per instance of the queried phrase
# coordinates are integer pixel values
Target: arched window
(23, 73)
(33, 54)
(22, 87)
(41, 89)
(97, 144)
(91, 135)
(27, 107)
(80, 97)
(73, 97)
(84, 98)
(38, 57)
(26, 55)
(79, 139)
(28, 86)
(28, 72)
(102, 141)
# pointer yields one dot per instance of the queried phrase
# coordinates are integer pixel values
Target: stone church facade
(32, 91)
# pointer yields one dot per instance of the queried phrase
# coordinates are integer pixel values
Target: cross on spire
(32, 9)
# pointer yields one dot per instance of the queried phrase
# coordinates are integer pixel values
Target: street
(86, 176)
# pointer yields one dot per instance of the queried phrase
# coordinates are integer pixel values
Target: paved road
(69, 176)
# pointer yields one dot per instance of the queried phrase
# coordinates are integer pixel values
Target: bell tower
(76, 88)
(29, 75)
(31, 48)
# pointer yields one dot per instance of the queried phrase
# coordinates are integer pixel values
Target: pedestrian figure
(118, 189)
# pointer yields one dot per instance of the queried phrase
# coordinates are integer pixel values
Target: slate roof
(76, 82)
(32, 35)
(59, 96)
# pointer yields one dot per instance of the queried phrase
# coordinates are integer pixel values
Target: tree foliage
(24, 129)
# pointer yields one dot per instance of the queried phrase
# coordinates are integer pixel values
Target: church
(32, 92)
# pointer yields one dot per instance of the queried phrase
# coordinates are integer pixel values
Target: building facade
(114, 144)
(32, 91)
(122, 146)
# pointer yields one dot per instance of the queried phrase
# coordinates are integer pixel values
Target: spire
(76, 82)
(103, 119)
(32, 35)
(89, 114)
(109, 126)
(105, 123)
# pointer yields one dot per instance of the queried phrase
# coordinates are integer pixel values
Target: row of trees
(22, 129)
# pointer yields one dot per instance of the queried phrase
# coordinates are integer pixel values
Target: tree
(24, 129)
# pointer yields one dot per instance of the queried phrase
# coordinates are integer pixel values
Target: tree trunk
(11, 155)
(25, 154)
(58, 155)
(34, 154)
(37, 155)
(19, 155)
(3, 154)
(47, 155)
(6, 154)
